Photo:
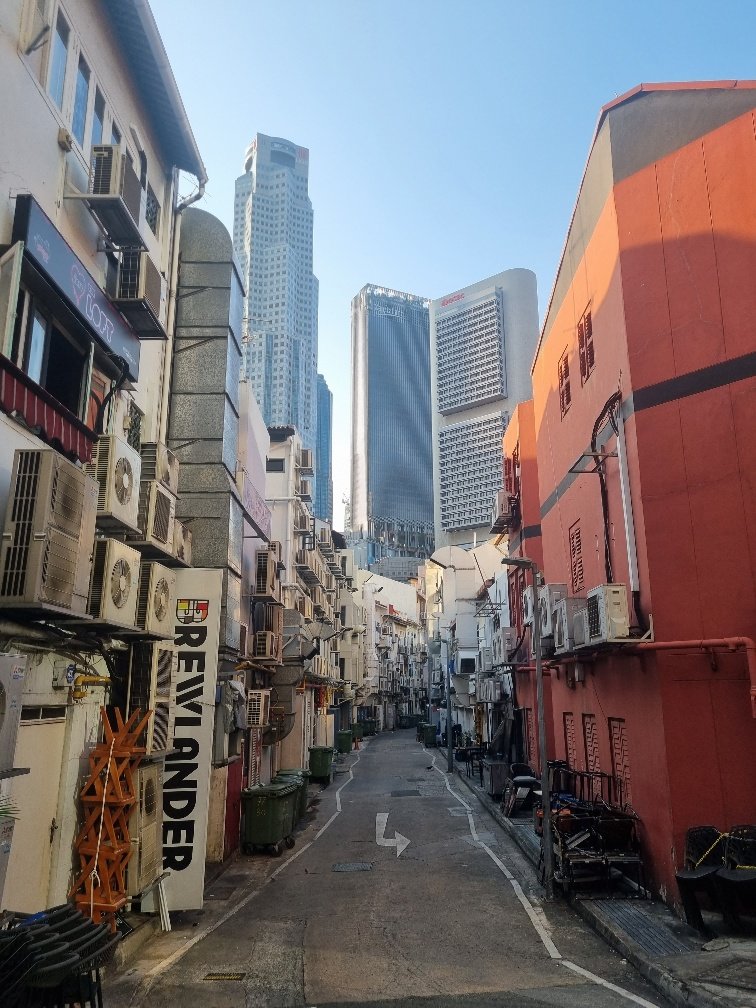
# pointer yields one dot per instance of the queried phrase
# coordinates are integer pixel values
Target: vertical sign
(186, 781)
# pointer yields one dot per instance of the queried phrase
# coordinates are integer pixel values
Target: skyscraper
(483, 338)
(273, 242)
(392, 467)
(323, 503)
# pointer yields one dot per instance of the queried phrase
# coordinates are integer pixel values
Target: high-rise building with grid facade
(392, 466)
(483, 338)
(323, 501)
(273, 243)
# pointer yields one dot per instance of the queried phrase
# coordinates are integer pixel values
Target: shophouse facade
(643, 404)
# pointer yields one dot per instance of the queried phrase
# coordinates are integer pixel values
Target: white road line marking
(535, 914)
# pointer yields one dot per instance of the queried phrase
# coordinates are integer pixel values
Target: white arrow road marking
(399, 841)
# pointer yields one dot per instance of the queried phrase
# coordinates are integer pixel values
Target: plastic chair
(735, 883)
(704, 857)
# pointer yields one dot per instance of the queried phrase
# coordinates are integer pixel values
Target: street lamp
(548, 850)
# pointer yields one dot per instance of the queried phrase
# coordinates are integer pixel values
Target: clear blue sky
(447, 137)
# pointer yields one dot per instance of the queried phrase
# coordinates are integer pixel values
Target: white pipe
(627, 505)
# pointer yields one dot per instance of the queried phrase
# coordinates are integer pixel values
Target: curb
(671, 987)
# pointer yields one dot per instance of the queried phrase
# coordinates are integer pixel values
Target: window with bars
(152, 211)
(576, 559)
(570, 748)
(590, 738)
(565, 394)
(585, 346)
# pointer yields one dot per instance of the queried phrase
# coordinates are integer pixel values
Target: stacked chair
(53, 959)
(722, 867)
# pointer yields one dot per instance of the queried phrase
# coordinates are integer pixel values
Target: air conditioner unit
(138, 292)
(152, 686)
(12, 676)
(146, 830)
(46, 554)
(306, 459)
(606, 616)
(156, 599)
(112, 174)
(159, 463)
(564, 615)
(302, 520)
(486, 657)
(244, 639)
(267, 587)
(528, 605)
(114, 585)
(117, 467)
(265, 645)
(157, 514)
(548, 596)
(305, 489)
(258, 708)
(504, 512)
(182, 542)
(304, 606)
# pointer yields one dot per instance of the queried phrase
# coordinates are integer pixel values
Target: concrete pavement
(455, 920)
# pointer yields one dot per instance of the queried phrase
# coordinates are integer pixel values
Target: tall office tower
(392, 466)
(273, 243)
(483, 339)
(323, 503)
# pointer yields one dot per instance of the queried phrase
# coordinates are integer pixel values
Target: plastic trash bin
(358, 730)
(268, 817)
(344, 741)
(302, 777)
(321, 759)
(429, 735)
(370, 726)
(420, 733)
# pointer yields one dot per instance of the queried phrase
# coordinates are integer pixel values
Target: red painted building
(648, 356)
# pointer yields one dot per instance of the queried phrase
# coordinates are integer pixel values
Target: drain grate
(654, 938)
(224, 976)
(406, 794)
(353, 866)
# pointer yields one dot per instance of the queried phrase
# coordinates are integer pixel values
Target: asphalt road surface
(453, 917)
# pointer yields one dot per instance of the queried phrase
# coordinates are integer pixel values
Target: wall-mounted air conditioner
(138, 293)
(145, 830)
(152, 686)
(157, 513)
(606, 618)
(46, 553)
(12, 677)
(267, 587)
(115, 194)
(486, 659)
(304, 606)
(258, 708)
(504, 511)
(117, 468)
(156, 599)
(564, 616)
(265, 645)
(305, 460)
(159, 463)
(548, 596)
(182, 542)
(114, 586)
(528, 605)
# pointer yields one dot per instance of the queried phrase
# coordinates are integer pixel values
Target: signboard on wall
(186, 781)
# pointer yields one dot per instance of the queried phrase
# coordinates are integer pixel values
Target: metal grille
(128, 275)
(594, 617)
(160, 727)
(22, 516)
(569, 739)
(102, 169)
(576, 558)
(590, 737)
(620, 755)
(164, 675)
(161, 516)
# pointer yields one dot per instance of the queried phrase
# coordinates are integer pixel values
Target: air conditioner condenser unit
(117, 467)
(114, 585)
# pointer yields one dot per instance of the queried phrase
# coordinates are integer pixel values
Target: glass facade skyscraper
(392, 459)
(273, 242)
(323, 502)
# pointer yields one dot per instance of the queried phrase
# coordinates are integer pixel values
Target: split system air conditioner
(605, 619)
(156, 599)
(565, 614)
(145, 830)
(528, 605)
(504, 511)
(182, 542)
(265, 645)
(138, 289)
(152, 686)
(46, 553)
(114, 585)
(267, 587)
(12, 676)
(112, 174)
(116, 466)
(157, 515)
(258, 708)
(486, 659)
(160, 464)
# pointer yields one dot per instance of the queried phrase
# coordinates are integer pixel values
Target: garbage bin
(358, 730)
(321, 758)
(268, 817)
(420, 732)
(344, 741)
(299, 776)
(429, 735)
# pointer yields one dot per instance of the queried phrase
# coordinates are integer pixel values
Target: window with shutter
(620, 756)
(565, 394)
(509, 480)
(576, 559)
(570, 748)
(585, 346)
(590, 738)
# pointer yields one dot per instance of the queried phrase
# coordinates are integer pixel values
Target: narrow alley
(398, 892)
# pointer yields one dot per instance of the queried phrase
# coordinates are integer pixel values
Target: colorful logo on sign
(192, 610)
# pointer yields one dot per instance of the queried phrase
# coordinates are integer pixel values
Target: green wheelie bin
(301, 776)
(268, 817)
(370, 726)
(429, 735)
(420, 732)
(321, 758)
(344, 741)
(358, 730)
